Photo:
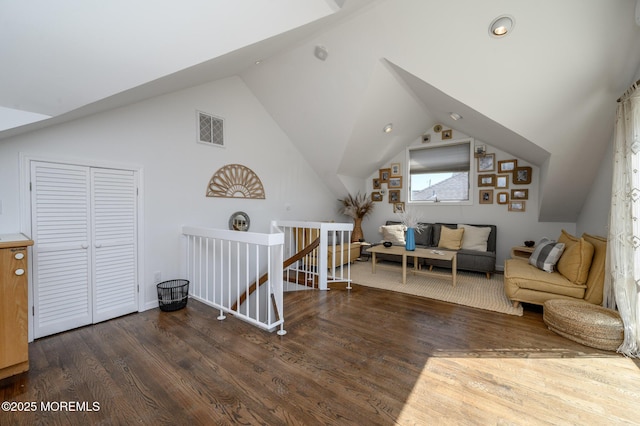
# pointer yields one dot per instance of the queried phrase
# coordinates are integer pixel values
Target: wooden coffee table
(450, 256)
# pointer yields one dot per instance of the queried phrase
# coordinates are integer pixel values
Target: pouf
(585, 323)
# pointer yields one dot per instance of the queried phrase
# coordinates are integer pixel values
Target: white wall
(512, 228)
(594, 217)
(159, 135)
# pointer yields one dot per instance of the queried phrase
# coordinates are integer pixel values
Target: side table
(521, 252)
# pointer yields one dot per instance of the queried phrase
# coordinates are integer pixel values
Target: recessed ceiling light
(259, 61)
(501, 26)
(455, 116)
(388, 128)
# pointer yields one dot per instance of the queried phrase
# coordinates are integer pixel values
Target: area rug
(472, 288)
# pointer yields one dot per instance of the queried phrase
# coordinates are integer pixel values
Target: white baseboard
(150, 305)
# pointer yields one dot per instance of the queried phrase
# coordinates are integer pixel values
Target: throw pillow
(393, 233)
(475, 238)
(546, 254)
(597, 271)
(450, 238)
(575, 262)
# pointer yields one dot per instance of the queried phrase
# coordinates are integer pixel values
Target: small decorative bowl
(529, 243)
(387, 244)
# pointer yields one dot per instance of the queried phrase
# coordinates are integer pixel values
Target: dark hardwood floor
(358, 357)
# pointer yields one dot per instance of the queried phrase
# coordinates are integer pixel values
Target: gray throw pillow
(546, 254)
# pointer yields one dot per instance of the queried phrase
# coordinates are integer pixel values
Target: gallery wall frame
(502, 198)
(398, 207)
(517, 206)
(522, 176)
(487, 180)
(519, 194)
(395, 182)
(507, 166)
(486, 196)
(384, 175)
(486, 163)
(502, 181)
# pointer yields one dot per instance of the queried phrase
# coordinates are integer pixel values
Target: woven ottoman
(585, 323)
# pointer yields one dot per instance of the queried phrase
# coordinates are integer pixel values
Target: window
(440, 173)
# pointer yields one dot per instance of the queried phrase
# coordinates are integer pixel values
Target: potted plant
(357, 208)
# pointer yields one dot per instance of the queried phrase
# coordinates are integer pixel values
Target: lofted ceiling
(545, 93)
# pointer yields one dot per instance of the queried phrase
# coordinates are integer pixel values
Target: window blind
(450, 158)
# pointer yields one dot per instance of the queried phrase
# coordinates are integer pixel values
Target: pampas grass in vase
(357, 207)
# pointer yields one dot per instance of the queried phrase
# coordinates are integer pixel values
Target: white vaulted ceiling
(546, 93)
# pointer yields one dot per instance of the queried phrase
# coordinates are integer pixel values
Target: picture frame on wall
(394, 195)
(395, 170)
(376, 196)
(502, 181)
(384, 175)
(486, 196)
(507, 166)
(376, 183)
(398, 207)
(447, 134)
(517, 206)
(395, 182)
(486, 180)
(503, 198)
(522, 176)
(519, 194)
(480, 151)
(486, 163)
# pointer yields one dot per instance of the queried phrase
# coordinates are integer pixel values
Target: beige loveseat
(579, 276)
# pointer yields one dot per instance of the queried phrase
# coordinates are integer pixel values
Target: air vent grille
(210, 129)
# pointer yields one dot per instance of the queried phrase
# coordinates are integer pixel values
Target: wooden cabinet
(14, 305)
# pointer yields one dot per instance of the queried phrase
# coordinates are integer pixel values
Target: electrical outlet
(157, 277)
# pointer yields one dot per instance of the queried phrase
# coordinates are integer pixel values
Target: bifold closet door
(84, 225)
(115, 268)
(61, 229)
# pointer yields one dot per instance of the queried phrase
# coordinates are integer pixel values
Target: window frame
(470, 182)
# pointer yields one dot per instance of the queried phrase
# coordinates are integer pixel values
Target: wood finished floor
(359, 357)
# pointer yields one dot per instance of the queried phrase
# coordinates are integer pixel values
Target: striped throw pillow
(546, 254)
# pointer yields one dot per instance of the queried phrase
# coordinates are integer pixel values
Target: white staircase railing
(223, 266)
(329, 262)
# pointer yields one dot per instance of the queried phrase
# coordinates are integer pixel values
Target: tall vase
(410, 240)
(357, 234)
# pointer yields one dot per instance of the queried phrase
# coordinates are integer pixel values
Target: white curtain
(622, 283)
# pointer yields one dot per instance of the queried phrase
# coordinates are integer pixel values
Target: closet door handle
(98, 245)
(19, 272)
(85, 246)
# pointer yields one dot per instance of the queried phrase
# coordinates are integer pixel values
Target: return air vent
(210, 129)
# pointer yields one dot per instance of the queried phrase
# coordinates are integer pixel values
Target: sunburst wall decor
(235, 181)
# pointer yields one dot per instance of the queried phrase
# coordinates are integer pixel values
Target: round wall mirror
(239, 221)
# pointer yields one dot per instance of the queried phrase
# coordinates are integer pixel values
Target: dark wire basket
(173, 295)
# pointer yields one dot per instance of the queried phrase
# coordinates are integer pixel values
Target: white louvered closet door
(114, 236)
(61, 222)
(85, 232)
